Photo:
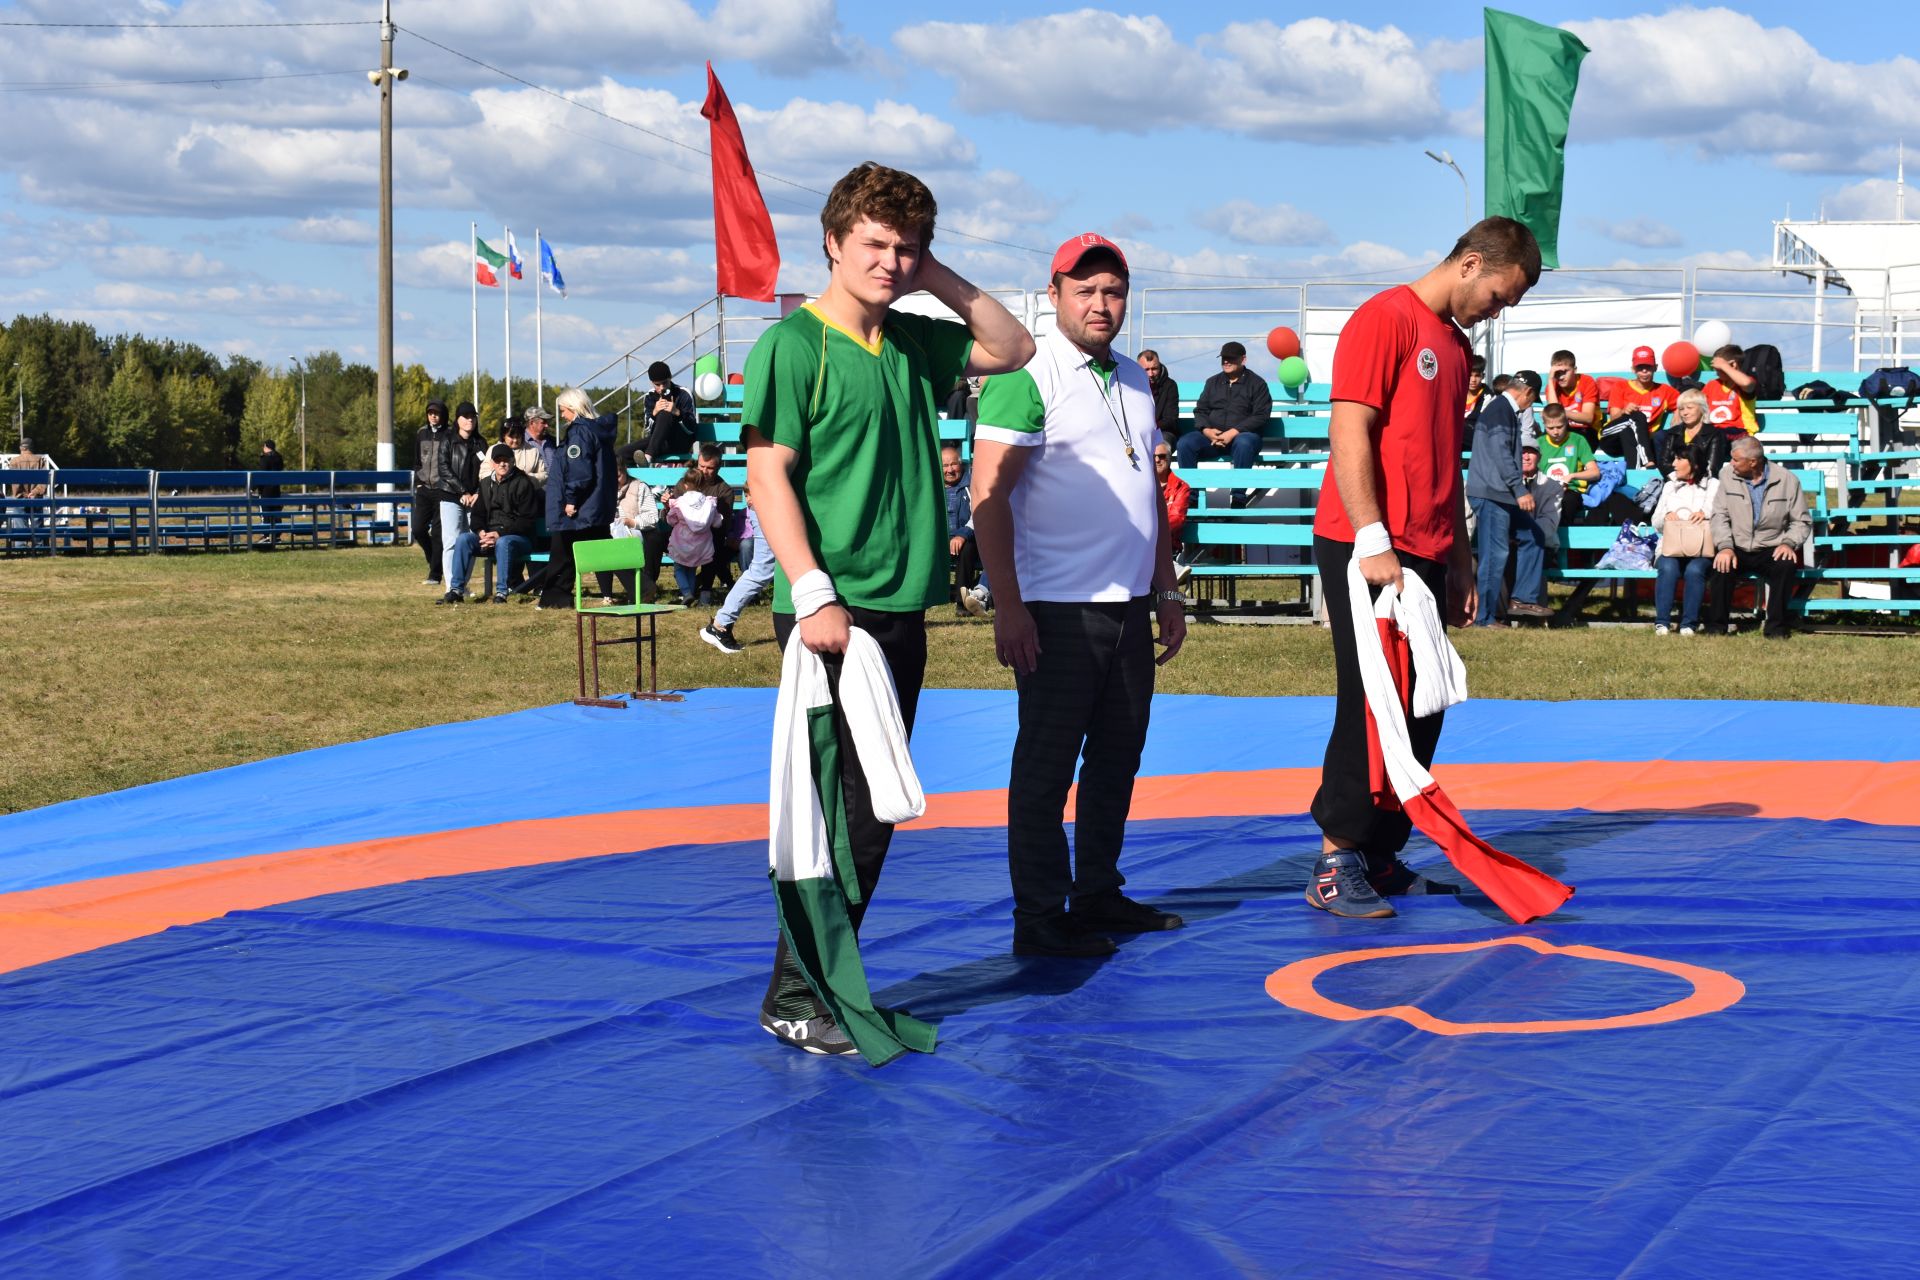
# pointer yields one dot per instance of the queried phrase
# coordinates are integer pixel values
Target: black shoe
(721, 638)
(452, 597)
(1395, 879)
(1339, 885)
(1117, 913)
(1055, 937)
(819, 1034)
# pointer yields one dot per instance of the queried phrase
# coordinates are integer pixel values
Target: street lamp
(1466, 192)
(20, 408)
(296, 362)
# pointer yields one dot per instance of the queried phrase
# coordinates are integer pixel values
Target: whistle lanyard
(1120, 419)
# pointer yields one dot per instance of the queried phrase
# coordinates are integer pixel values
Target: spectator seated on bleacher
(529, 459)
(1567, 458)
(1234, 407)
(1690, 432)
(668, 410)
(1576, 393)
(535, 454)
(1683, 518)
(703, 476)
(1174, 491)
(1166, 395)
(1548, 496)
(1477, 391)
(972, 594)
(1730, 394)
(506, 514)
(1760, 523)
(1641, 394)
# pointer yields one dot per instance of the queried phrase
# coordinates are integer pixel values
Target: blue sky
(1285, 144)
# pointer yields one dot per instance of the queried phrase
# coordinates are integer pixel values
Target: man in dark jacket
(426, 507)
(455, 485)
(1166, 396)
(1234, 407)
(580, 491)
(506, 511)
(668, 410)
(1502, 503)
(269, 494)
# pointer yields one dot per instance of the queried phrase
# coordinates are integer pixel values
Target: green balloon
(1293, 373)
(708, 363)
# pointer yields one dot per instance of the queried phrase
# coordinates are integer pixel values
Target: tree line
(126, 400)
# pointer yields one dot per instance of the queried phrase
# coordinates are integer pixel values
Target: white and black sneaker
(814, 1035)
(721, 638)
(976, 601)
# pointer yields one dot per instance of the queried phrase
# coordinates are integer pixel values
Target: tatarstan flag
(487, 262)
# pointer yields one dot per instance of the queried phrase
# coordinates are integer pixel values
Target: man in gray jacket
(1760, 522)
(1503, 505)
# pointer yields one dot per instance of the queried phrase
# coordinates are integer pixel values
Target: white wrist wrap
(813, 592)
(1371, 541)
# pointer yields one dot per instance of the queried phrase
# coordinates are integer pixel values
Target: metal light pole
(384, 79)
(20, 409)
(301, 366)
(1466, 192)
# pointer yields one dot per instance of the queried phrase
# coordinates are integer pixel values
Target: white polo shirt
(1086, 519)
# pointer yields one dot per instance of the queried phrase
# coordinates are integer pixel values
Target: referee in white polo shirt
(1071, 528)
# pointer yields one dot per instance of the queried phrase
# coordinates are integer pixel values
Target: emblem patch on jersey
(573, 450)
(1429, 364)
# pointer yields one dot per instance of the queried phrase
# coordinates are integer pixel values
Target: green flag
(1532, 71)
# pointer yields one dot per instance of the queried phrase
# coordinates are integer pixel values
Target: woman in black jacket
(456, 485)
(1690, 432)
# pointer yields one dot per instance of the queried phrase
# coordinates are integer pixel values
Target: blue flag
(550, 270)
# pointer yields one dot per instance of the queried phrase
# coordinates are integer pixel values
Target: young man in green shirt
(1568, 458)
(843, 458)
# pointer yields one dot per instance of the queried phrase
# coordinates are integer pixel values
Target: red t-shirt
(1398, 357)
(1656, 401)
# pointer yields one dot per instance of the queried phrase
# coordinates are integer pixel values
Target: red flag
(746, 256)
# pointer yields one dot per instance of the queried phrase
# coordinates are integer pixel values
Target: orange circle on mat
(1712, 990)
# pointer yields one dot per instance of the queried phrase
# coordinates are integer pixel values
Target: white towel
(1440, 678)
(1436, 667)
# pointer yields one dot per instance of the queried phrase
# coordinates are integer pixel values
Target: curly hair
(878, 194)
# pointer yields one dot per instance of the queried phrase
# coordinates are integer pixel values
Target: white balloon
(1710, 336)
(708, 386)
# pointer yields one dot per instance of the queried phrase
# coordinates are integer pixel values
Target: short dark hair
(1477, 364)
(1564, 354)
(1501, 383)
(659, 372)
(1501, 242)
(1149, 351)
(1551, 412)
(709, 453)
(1734, 355)
(889, 197)
(268, 444)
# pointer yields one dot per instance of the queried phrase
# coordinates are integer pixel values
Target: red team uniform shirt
(1656, 402)
(1398, 357)
(1585, 394)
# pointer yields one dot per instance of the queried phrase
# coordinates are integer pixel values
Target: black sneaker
(819, 1034)
(1398, 880)
(1117, 913)
(1339, 885)
(452, 597)
(721, 638)
(1055, 937)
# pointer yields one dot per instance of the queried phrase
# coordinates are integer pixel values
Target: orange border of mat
(1713, 990)
(37, 925)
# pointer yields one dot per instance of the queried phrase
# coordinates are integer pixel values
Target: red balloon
(1681, 360)
(736, 379)
(1283, 342)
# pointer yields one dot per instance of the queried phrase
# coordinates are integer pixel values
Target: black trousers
(425, 523)
(1780, 576)
(1343, 806)
(556, 580)
(902, 638)
(1085, 704)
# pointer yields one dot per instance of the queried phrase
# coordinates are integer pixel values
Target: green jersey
(1565, 460)
(863, 421)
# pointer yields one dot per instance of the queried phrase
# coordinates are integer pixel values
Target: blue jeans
(1493, 527)
(510, 552)
(1670, 569)
(453, 527)
(1530, 559)
(1193, 446)
(460, 553)
(759, 572)
(687, 578)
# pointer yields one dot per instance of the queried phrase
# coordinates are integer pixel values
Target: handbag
(1681, 537)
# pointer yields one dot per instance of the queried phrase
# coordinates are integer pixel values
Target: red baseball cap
(1642, 355)
(1068, 255)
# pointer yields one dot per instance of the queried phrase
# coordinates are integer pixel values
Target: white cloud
(152, 262)
(332, 229)
(1244, 222)
(1724, 83)
(1872, 200)
(1314, 80)
(1641, 232)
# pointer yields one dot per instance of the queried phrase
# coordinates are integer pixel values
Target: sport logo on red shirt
(1429, 364)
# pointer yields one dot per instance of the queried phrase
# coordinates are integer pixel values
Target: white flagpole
(473, 270)
(506, 304)
(539, 339)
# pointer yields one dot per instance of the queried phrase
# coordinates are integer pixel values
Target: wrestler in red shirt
(1392, 498)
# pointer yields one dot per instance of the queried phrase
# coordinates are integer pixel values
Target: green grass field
(131, 669)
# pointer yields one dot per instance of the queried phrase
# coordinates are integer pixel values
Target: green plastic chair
(608, 555)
